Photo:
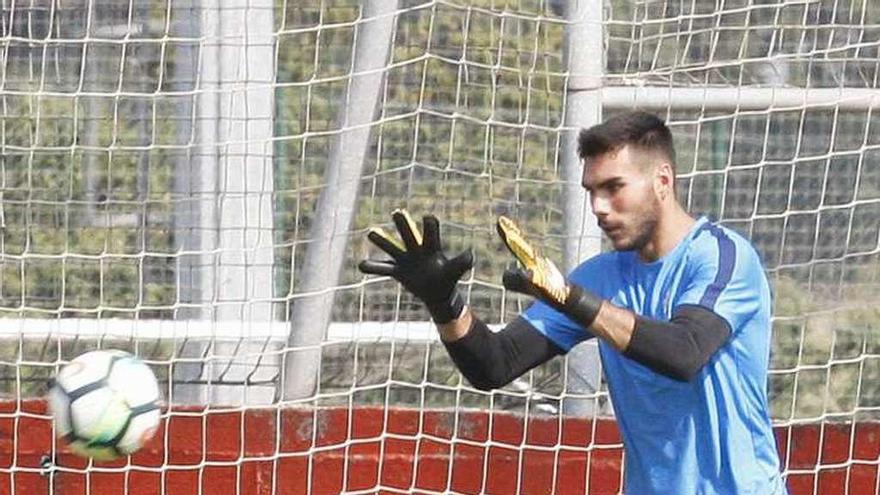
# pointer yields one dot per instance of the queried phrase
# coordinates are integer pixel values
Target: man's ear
(664, 180)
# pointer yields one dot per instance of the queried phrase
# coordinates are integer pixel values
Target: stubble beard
(646, 223)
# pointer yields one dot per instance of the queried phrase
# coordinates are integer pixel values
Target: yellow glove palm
(539, 277)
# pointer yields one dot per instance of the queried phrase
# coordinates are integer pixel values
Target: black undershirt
(491, 360)
(678, 348)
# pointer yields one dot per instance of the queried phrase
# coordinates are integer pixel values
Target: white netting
(185, 179)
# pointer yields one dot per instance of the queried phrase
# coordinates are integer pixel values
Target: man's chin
(620, 244)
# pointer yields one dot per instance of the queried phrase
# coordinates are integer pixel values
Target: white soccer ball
(105, 404)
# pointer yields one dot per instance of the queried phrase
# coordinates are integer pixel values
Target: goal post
(193, 180)
(335, 210)
(224, 189)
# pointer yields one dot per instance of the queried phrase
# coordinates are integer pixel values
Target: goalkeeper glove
(540, 278)
(419, 264)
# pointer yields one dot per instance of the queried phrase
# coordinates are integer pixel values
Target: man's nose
(600, 205)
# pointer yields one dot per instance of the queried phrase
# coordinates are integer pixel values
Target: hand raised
(419, 264)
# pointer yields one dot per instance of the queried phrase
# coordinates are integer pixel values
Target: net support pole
(227, 223)
(325, 252)
(584, 52)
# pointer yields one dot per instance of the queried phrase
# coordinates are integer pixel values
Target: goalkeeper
(681, 308)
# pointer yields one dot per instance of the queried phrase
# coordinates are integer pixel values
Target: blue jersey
(711, 435)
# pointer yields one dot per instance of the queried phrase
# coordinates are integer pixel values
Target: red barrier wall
(269, 451)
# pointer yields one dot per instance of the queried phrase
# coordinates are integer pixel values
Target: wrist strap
(446, 311)
(581, 305)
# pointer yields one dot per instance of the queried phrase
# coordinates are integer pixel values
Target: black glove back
(419, 264)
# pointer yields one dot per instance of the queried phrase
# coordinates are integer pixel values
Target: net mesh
(163, 164)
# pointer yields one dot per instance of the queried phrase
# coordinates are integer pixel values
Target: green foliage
(468, 127)
(824, 356)
(465, 131)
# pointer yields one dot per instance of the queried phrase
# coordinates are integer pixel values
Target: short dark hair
(642, 130)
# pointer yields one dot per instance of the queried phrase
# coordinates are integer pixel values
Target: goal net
(192, 181)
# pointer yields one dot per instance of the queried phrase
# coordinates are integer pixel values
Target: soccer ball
(105, 404)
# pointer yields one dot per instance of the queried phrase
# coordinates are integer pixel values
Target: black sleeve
(491, 360)
(680, 347)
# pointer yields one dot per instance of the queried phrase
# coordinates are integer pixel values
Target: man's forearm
(457, 328)
(678, 348)
(490, 360)
(614, 325)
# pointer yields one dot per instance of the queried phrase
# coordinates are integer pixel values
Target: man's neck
(671, 229)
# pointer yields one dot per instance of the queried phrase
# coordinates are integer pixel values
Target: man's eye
(614, 187)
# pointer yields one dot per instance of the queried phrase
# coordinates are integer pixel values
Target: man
(681, 308)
